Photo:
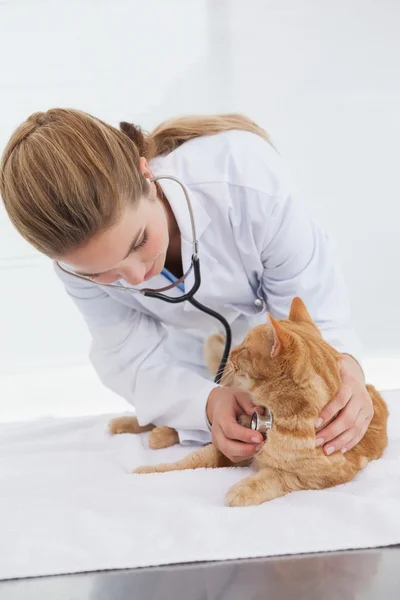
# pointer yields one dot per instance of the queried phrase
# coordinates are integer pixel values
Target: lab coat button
(258, 302)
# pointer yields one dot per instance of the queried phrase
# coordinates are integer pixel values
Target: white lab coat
(258, 249)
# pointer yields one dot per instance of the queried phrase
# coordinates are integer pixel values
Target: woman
(79, 191)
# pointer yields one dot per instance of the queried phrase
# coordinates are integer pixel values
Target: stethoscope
(258, 422)
(188, 296)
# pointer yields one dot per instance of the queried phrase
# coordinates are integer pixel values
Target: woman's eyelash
(142, 243)
(135, 249)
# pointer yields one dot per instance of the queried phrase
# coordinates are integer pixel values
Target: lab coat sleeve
(299, 260)
(129, 355)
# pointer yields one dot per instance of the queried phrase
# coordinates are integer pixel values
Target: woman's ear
(144, 167)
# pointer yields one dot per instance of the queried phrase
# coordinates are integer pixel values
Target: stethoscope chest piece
(262, 423)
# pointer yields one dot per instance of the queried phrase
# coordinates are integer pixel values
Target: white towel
(68, 504)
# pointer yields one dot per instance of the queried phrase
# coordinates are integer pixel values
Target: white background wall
(322, 76)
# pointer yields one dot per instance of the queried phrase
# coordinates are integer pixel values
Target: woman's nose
(133, 273)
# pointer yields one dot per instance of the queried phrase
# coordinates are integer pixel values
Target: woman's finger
(343, 422)
(336, 405)
(233, 431)
(343, 441)
(245, 402)
(235, 451)
(358, 438)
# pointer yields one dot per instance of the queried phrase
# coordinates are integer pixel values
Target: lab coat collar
(177, 201)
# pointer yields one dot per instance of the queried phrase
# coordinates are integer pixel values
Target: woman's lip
(149, 273)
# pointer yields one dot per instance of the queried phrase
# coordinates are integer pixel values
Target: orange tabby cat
(288, 368)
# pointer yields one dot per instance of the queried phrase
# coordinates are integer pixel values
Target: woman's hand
(354, 409)
(224, 406)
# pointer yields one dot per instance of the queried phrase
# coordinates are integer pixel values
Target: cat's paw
(123, 425)
(163, 437)
(241, 494)
(127, 425)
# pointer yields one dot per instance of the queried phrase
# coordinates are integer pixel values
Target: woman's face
(134, 249)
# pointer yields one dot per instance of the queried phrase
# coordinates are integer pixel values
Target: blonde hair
(66, 175)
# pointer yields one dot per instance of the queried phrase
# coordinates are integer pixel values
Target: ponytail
(173, 133)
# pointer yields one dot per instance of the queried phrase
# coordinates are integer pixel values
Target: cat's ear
(299, 313)
(281, 337)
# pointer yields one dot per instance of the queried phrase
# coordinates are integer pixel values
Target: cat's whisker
(228, 373)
